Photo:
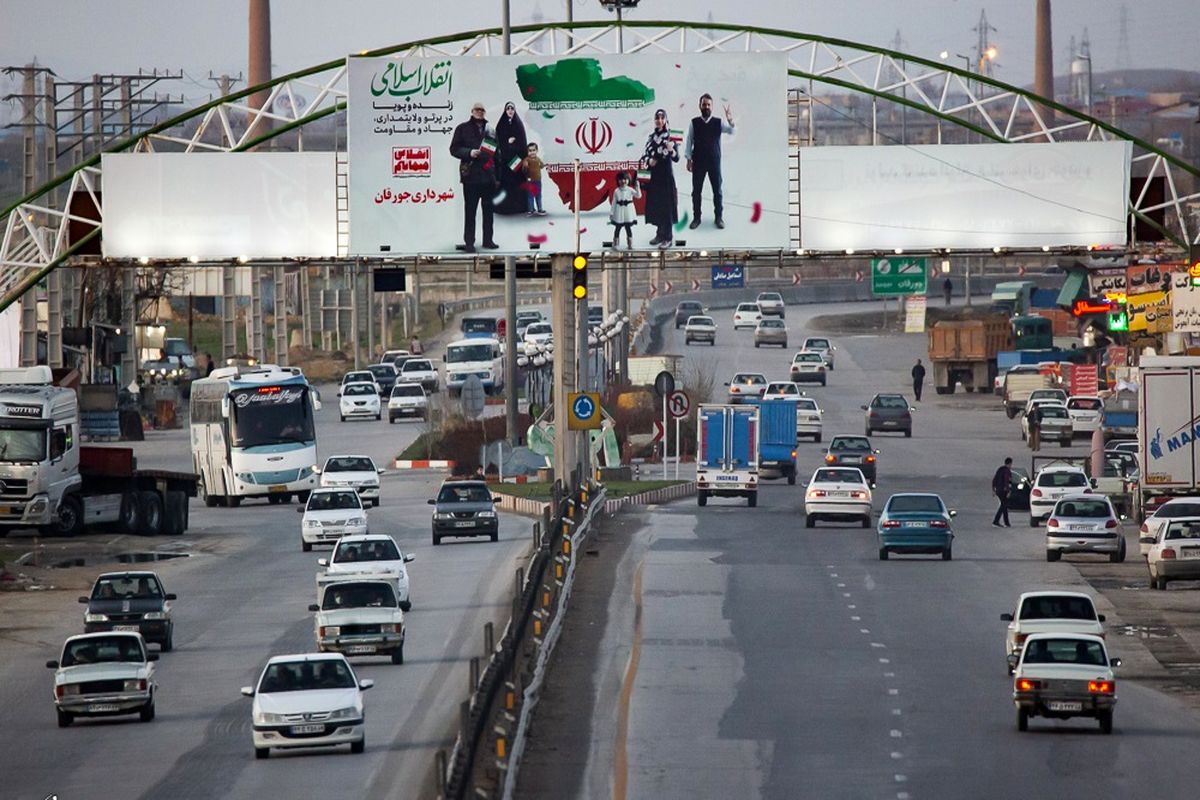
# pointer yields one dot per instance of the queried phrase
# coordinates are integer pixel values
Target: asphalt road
(243, 596)
(746, 656)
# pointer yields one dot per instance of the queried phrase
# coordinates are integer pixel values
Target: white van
(482, 357)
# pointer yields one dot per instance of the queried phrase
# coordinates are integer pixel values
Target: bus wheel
(202, 492)
(233, 502)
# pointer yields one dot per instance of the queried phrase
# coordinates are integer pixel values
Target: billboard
(410, 195)
(975, 196)
(218, 206)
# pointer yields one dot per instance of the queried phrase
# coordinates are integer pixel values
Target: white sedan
(837, 493)
(353, 472)
(1175, 555)
(746, 315)
(420, 371)
(104, 675)
(308, 700)
(1048, 612)
(1179, 508)
(538, 333)
(808, 419)
(1084, 523)
(1064, 675)
(329, 515)
(700, 329)
(1085, 412)
(359, 400)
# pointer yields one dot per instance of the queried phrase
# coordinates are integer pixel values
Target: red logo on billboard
(410, 162)
(593, 135)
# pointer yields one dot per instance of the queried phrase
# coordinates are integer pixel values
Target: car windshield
(1061, 479)
(1047, 394)
(355, 389)
(300, 676)
(377, 550)
(358, 376)
(782, 388)
(349, 464)
(754, 379)
(923, 503)
(271, 415)
(1176, 510)
(838, 476)
(1118, 464)
(126, 587)
(539, 328)
(460, 354)
(1065, 651)
(770, 297)
(688, 307)
(856, 444)
(1183, 530)
(418, 365)
(476, 325)
(329, 501)
(102, 649)
(807, 358)
(408, 390)
(748, 307)
(1057, 606)
(807, 405)
(176, 348)
(1085, 509)
(1020, 473)
(23, 444)
(890, 401)
(464, 493)
(1053, 412)
(358, 595)
(771, 323)
(700, 321)
(816, 344)
(382, 370)
(1085, 403)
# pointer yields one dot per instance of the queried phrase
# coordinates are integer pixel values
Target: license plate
(1192, 552)
(839, 494)
(278, 488)
(1059, 705)
(133, 628)
(851, 460)
(308, 729)
(889, 422)
(464, 524)
(914, 524)
(100, 708)
(359, 649)
(1081, 527)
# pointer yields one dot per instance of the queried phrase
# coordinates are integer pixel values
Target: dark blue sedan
(915, 523)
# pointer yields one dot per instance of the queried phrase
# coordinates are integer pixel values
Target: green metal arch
(484, 36)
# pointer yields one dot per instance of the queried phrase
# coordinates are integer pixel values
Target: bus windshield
(468, 352)
(270, 415)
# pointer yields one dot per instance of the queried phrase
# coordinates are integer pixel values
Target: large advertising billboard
(970, 197)
(651, 132)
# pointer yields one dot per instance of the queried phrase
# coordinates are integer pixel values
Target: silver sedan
(771, 331)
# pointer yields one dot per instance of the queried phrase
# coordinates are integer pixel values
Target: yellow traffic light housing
(579, 289)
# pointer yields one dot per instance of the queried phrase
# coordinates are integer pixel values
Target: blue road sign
(728, 276)
(584, 411)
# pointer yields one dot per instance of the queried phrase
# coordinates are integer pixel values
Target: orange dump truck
(964, 351)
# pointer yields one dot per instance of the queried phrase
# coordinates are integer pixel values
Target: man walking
(703, 153)
(918, 376)
(947, 289)
(1002, 488)
(473, 144)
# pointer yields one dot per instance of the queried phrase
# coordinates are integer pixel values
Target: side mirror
(1006, 617)
(171, 596)
(912, 408)
(365, 684)
(51, 665)
(496, 500)
(322, 562)
(300, 510)
(953, 513)
(864, 408)
(431, 502)
(726, 384)
(1093, 482)
(1100, 617)
(381, 471)
(248, 691)
(1146, 540)
(876, 451)
(83, 600)
(1114, 662)
(313, 607)
(339, 394)
(152, 656)
(409, 558)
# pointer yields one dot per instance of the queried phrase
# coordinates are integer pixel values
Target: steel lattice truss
(35, 237)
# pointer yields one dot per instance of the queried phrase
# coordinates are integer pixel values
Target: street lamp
(945, 54)
(619, 6)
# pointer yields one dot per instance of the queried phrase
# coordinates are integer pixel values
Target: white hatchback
(771, 304)
(308, 700)
(1179, 508)
(837, 493)
(1086, 412)
(357, 400)
(407, 400)
(1050, 484)
(1084, 523)
(1175, 555)
(329, 515)
(746, 315)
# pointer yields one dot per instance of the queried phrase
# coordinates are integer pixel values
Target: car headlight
(135, 685)
(331, 630)
(245, 477)
(155, 615)
(267, 718)
(39, 504)
(443, 515)
(312, 523)
(487, 514)
(90, 617)
(358, 521)
(67, 689)
(349, 712)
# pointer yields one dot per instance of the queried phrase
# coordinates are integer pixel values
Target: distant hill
(1146, 80)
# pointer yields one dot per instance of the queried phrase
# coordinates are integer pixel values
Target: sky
(77, 38)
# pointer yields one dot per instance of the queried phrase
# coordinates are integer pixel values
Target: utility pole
(562, 319)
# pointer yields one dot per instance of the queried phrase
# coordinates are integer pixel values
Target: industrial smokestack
(260, 55)
(1043, 58)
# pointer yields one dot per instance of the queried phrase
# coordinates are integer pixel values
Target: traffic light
(579, 276)
(1118, 315)
(1194, 264)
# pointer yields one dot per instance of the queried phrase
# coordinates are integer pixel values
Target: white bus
(481, 357)
(254, 434)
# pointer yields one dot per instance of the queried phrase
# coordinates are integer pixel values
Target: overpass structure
(60, 220)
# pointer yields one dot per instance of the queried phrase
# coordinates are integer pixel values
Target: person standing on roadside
(1002, 489)
(947, 289)
(918, 376)
(1035, 428)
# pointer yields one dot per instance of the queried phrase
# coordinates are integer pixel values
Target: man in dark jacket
(1002, 488)
(703, 153)
(918, 376)
(477, 171)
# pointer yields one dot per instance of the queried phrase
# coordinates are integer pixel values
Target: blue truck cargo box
(777, 440)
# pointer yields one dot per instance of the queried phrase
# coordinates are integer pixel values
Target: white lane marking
(851, 606)
(830, 566)
(885, 661)
(845, 594)
(897, 755)
(895, 734)
(869, 583)
(902, 795)
(901, 778)
(893, 692)
(863, 630)
(878, 644)
(889, 674)
(841, 586)
(896, 712)
(833, 574)
(855, 619)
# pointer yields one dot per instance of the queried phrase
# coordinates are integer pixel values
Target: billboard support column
(562, 318)
(510, 350)
(228, 312)
(281, 330)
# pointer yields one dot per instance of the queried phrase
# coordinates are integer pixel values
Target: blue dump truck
(727, 452)
(777, 439)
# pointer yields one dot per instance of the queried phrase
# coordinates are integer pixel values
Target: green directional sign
(891, 277)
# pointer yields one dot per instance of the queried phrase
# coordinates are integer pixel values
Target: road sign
(858, 276)
(695, 285)
(659, 432)
(914, 313)
(667, 287)
(473, 397)
(584, 408)
(679, 404)
(795, 279)
(664, 383)
(891, 277)
(653, 290)
(728, 276)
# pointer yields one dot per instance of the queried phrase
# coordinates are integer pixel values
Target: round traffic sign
(664, 383)
(583, 408)
(679, 404)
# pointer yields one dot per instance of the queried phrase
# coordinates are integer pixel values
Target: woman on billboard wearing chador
(512, 144)
(658, 161)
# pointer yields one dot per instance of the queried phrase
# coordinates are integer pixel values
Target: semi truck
(964, 351)
(727, 452)
(1168, 425)
(52, 482)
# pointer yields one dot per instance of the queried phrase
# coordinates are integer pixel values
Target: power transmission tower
(1123, 60)
(90, 115)
(985, 54)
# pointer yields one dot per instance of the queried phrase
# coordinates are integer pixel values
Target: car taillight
(818, 493)
(891, 523)
(870, 459)
(874, 415)
(938, 523)
(1145, 528)
(829, 459)
(1102, 687)
(1020, 638)
(1026, 685)
(1112, 523)
(1052, 523)
(1167, 552)
(1036, 493)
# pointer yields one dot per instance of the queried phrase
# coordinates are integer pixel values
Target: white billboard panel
(408, 196)
(975, 196)
(219, 205)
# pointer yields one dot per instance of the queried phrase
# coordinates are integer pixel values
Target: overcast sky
(77, 38)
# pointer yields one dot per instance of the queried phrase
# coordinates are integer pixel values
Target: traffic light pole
(581, 340)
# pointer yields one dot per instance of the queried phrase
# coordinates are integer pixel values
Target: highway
(746, 656)
(243, 596)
